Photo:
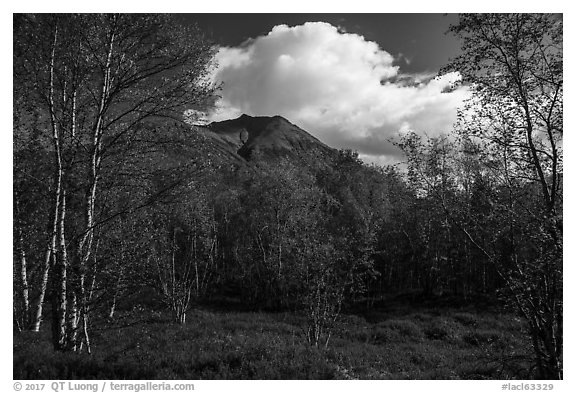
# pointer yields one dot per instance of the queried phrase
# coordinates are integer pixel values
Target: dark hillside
(266, 138)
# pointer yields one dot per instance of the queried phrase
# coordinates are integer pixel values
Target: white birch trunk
(51, 249)
(115, 295)
(23, 268)
(37, 317)
(60, 301)
(83, 251)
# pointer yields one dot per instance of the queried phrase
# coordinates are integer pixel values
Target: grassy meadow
(426, 342)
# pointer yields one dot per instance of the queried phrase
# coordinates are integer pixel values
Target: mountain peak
(265, 136)
(245, 117)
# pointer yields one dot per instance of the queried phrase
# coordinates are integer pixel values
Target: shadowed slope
(266, 137)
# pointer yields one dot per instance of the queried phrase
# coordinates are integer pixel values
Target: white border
(292, 6)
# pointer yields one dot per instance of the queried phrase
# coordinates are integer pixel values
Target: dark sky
(420, 38)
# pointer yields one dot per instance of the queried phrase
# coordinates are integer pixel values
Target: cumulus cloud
(345, 90)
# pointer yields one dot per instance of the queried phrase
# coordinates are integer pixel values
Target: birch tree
(513, 63)
(185, 247)
(96, 80)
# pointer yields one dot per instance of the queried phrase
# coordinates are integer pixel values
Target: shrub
(484, 337)
(397, 330)
(441, 329)
(466, 319)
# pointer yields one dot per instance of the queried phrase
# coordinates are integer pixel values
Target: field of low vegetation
(397, 342)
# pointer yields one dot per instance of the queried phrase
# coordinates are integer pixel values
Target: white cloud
(338, 86)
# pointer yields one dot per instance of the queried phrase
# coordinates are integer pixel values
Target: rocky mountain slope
(248, 138)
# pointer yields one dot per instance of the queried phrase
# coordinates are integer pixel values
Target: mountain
(249, 138)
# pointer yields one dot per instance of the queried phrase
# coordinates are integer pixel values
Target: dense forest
(123, 206)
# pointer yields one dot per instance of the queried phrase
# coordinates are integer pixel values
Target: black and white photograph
(287, 196)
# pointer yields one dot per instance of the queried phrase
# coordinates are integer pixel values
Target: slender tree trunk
(50, 260)
(181, 316)
(73, 318)
(60, 284)
(85, 332)
(24, 283)
(84, 248)
(23, 268)
(37, 317)
(58, 256)
(112, 307)
(15, 318)
(115, 295)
